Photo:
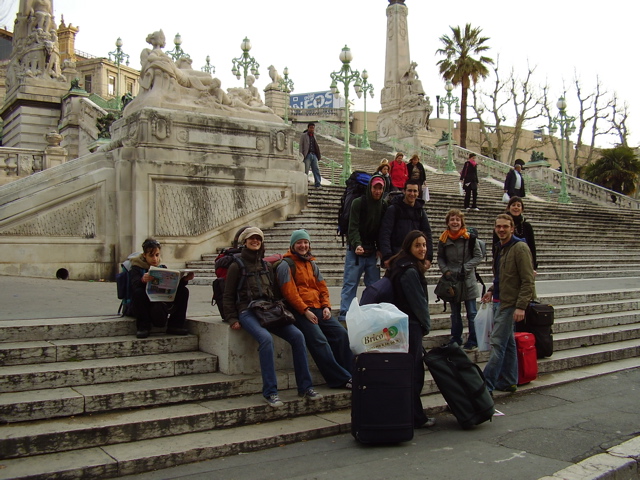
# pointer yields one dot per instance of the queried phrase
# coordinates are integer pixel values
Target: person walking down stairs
(469, 179)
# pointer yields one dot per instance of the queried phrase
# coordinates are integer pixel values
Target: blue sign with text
(314, 100)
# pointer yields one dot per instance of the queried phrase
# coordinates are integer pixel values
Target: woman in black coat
(469, 179)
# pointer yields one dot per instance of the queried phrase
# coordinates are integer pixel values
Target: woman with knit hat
(252, 279)
(307, 295)
(457, 259)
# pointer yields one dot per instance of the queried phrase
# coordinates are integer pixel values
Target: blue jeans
(266, 352)
(311, 161)
(501, 371)
(354, 267)
(456, 322)
(328, 343)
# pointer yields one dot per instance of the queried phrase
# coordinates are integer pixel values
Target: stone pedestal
(276, 100)
(31, 110)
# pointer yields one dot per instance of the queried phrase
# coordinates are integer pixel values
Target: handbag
(449, 289)
(271, 314)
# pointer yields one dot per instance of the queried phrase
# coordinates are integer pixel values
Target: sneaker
(429, 423)
(468, 209)
(142, 334)
(509, 389)
(349, 384)
(274, 400)
(470, 348)
(311, 394)
(475, 209)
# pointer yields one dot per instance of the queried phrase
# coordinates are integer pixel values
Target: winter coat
(308, 289)
(523, 230)
(450, 259)
(364, 232)
(469, 176)
(422, 176)
(399, 173)
(410, 291)
(510, 184)
(513, 267)
(398, 221)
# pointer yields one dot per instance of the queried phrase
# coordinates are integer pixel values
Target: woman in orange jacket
(307, 295)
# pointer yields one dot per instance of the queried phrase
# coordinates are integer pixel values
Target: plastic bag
(379, 327)
(425, 193)
(484, 325)
(461, 189)
(505, 197)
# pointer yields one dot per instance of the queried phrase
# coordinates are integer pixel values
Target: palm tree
(617, 169)
(461, 68)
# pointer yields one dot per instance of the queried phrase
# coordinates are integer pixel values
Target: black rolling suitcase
(461, 383)
(382, 398)
(538, 321)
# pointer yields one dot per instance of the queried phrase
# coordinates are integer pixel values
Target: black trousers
(155, 314)
(467, 197)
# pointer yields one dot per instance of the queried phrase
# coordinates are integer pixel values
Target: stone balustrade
(20, 162)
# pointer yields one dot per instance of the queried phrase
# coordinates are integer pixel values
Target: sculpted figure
(159, 70)
(41, 10)
(275, 77)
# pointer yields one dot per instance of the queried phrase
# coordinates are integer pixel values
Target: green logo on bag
(381, 338)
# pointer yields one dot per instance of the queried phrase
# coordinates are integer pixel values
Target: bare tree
(619, 117)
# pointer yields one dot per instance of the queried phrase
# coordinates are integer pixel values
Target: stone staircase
(573, 241)
(83, 398)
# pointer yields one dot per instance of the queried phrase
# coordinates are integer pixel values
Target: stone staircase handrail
(552, 178)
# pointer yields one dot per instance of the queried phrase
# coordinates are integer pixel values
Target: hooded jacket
(364, 231)
(400, 219)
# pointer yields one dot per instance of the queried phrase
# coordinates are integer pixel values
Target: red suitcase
(527, 357)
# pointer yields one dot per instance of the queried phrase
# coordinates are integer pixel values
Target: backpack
(123, 286)
(382, 290)
(355, 188)
(222, 263)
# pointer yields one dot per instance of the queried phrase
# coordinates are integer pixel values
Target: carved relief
(160, 125)
(73, 219)
(279, 141)
(184, 210)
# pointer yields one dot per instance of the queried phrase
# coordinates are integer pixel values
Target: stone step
(139, 456)
(66, 328)
(19, 378)
(75, 350)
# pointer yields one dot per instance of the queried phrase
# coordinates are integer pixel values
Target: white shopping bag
(484, 325)
(425, 193)
(461, 189)
(379, 327)
(505, 197)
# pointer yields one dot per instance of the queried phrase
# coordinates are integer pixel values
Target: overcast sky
(560, 38)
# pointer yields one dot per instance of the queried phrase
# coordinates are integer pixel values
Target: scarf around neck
(462, 233)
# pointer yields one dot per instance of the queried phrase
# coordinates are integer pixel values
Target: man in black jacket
(514, 183)
(404, 214)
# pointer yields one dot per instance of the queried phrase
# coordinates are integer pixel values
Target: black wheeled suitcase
(382, 398)
(538, 320)
(461, 383)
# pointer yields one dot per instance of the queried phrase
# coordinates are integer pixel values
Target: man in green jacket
(511, 292)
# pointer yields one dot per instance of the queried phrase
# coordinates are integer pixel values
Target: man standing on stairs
(511, 292)
(362, 242)
(405, 214)
(311, 153)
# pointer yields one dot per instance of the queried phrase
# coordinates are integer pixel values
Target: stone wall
(189, 179)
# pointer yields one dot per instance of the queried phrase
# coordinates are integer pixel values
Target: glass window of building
(87, 83)
(111, 87)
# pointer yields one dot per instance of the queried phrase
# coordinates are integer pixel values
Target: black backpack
(123, 286)
(355, 188)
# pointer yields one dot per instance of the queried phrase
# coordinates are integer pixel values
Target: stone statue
(168, 84)
(411, 78)
(276, 78)
(393, 2)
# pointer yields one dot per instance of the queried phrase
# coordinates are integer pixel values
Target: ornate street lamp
(567, 127)
(449, 100)
(208, 67)
(345, 76)
(245, 62)
(286, 85)
(117, 56)
(177, 53)
(366, 88)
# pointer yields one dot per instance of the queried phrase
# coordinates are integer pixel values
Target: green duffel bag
(461, 383)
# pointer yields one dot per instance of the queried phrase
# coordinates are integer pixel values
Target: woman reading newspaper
(150, 313)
